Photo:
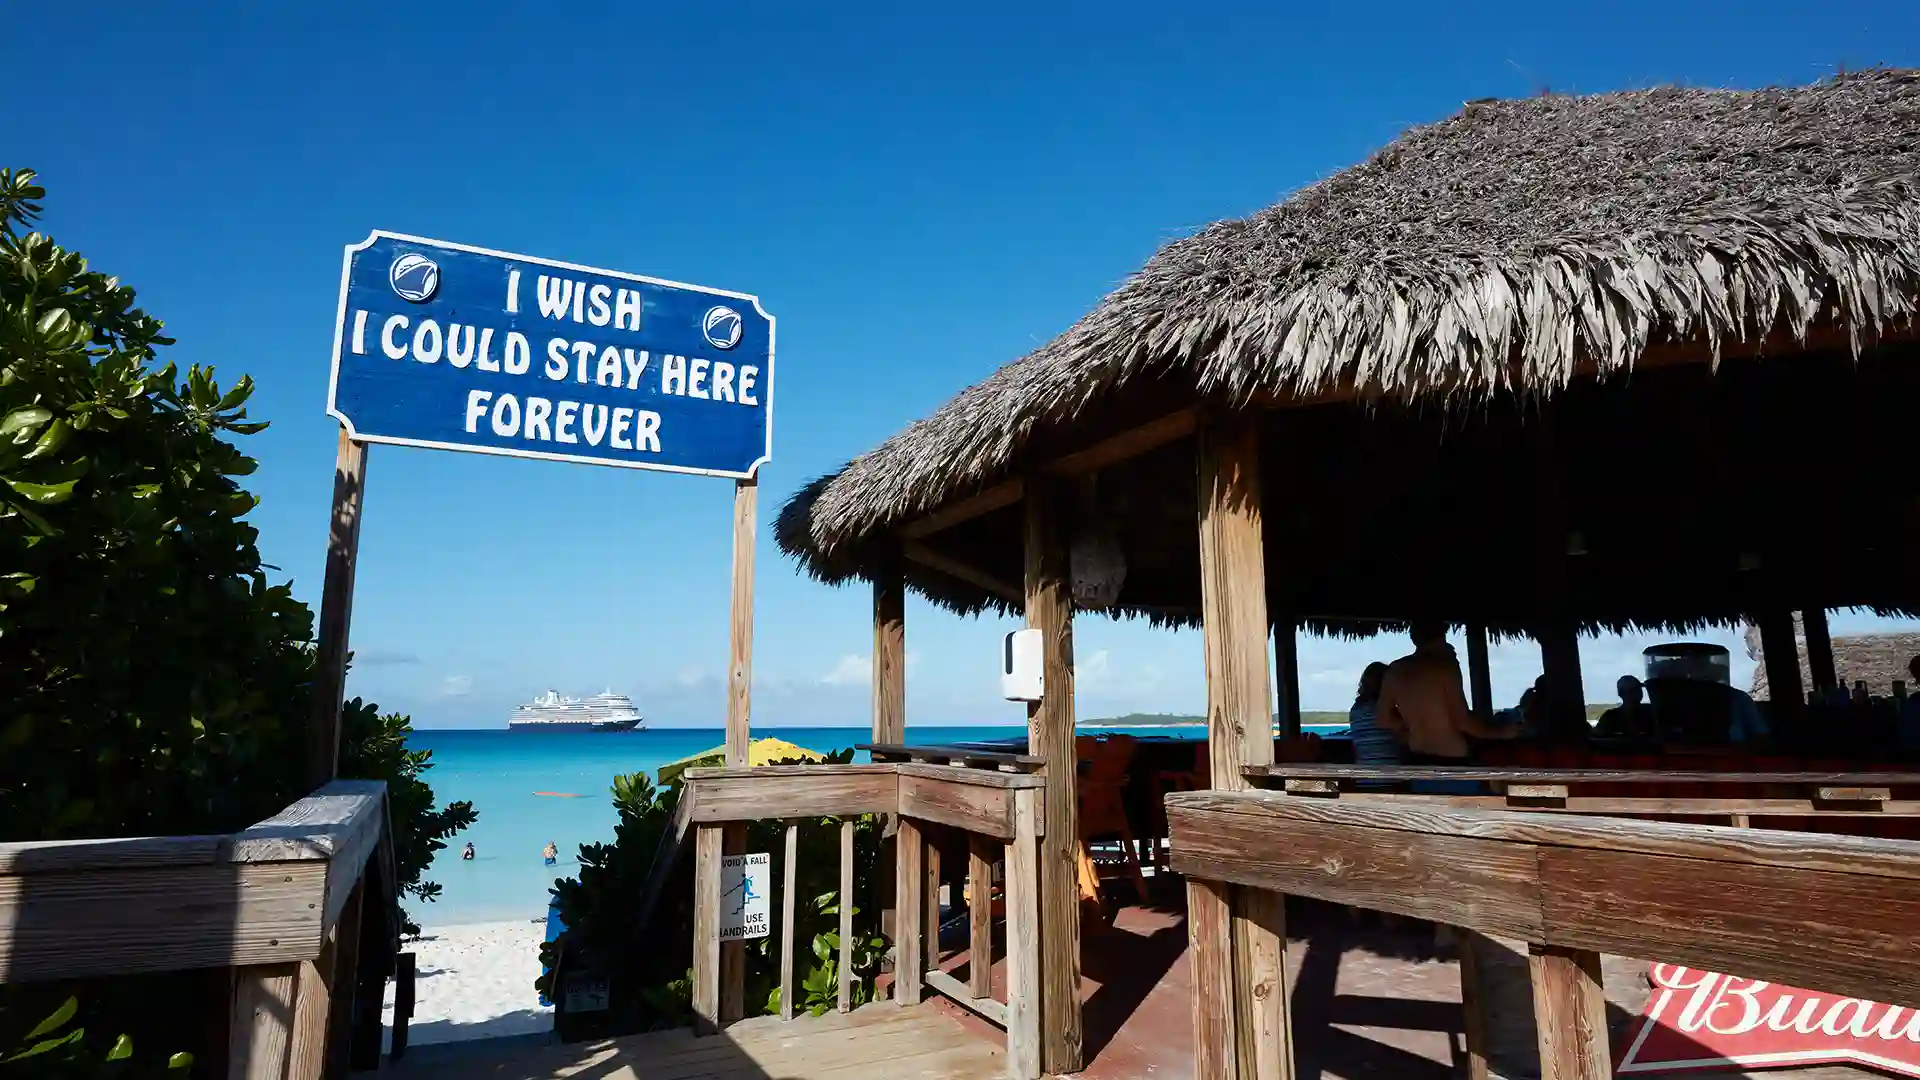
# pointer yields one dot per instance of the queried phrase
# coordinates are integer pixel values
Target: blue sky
(918, 193)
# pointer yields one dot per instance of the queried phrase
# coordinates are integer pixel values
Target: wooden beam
(746, 498)
(336, 610)
(994, 498)
(1233, 597)
(1024, 1050)
(1570, 1013)
(1127, 444)
(889, 655)
(962, 995)
(706, 929)
(909, 965)
(312, 1007)
(260, 1034)
(1109, 451)
(959, 570)
(1820, 650)
(779, 791)
(787, 923)
(1050, 736)
(980, 916)
(1781, 655)
(1480, 673)
(1286, 669)
(1210, 952)
(981, 810)
(733, 954)
(1473, 1003)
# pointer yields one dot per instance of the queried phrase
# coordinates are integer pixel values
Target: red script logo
(1703, 1019)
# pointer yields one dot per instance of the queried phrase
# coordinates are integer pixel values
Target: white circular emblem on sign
(722, 327)
(414, 277)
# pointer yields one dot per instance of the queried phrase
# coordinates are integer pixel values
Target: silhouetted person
(1632, 718)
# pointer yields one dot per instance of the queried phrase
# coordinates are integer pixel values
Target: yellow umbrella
(759, 752)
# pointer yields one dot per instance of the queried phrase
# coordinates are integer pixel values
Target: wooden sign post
(453, 347)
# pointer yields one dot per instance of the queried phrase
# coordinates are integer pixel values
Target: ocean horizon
(534, 787)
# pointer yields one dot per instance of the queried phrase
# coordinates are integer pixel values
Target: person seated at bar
(1373, 743)
(1424, 701)
(1632, 718)
(1907, 731)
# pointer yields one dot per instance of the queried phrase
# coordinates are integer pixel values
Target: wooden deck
(915, 1043)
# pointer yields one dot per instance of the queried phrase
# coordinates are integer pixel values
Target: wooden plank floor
(917, 1043)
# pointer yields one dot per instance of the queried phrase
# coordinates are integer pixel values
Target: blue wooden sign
(460, 348)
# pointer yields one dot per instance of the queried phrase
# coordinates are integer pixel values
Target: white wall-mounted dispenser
(1022, 666)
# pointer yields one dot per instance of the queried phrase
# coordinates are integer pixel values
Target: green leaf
(44, 494)
(24, 419)
(55, 321)
(122, 1049)
(58, 1020)
(181, 1060)
(51, 440)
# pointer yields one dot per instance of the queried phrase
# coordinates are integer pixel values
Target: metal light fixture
(1099, 569)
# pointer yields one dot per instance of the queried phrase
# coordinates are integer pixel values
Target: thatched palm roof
(1497, 250)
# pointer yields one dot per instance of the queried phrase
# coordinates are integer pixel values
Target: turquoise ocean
(500, 772)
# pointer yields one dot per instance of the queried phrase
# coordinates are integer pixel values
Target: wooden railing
(301, 907)
(999, 811)
(1713, 897)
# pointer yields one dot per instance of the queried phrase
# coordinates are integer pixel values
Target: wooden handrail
(953, 755)
(266, 894)
(1833, 913)
(285, 903)
(994, 808)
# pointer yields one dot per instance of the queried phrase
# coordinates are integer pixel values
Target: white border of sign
(339, 332)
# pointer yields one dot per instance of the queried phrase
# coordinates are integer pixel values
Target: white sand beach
(475, 982)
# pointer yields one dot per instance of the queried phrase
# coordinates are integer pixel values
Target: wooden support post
(746, 498)
(1024, 1049)
(930, 868)
(787, 924)
(733, 954)
(1782, 658)
(1286, 670)
(889, 700)
(845, 1002)
(1049, 602)
(1564, 701)
(1233, 601)
(1261, 1014)
(312, 1008)
(1820, 651)
(1570, 1013)
(260, 1034)
(1480, 672)
(1473, 1002)
(979, 916)
(1210, 952)
(336, 610)
(909, 965)
(345, 983)
(706, 928)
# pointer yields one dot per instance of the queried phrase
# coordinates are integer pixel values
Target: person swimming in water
(466, 853)
(551, 853)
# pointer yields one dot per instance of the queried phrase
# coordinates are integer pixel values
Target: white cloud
(690, 677)
(852, 670)
(456, 686)
(1093, 672)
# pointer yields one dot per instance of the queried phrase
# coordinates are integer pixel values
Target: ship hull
(573, 725)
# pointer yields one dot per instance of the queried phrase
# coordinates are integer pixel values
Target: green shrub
(58, 1049)
(648, 968)
(154, 682)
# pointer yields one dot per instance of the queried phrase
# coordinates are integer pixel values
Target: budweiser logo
(1703, 1019)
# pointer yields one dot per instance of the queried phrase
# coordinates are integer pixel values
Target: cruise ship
(551, 712)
